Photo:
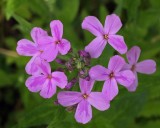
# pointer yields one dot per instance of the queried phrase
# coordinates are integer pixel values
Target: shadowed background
(20, 108)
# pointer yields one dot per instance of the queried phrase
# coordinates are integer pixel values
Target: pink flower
(46, 81)
(55, 44)
(112, 76)
(84, 99)
(145, 67)
(104, 35)
(28, 48)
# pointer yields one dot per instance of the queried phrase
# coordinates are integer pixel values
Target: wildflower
(104, 35)
(112, 76)
(47, 81)
(83, 100)
(55, 44)
(145, 67)
(28, 48)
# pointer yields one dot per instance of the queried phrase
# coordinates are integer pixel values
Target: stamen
(41, 51)
(85, 96)
(105, 36)
(57, 42)
(133, 67)
(111, 75)
(49, 76)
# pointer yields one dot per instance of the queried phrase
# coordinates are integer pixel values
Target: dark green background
(20, 108)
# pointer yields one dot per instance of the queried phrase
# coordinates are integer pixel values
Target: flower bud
(60, 61)
(83, 53)
(56, 102)
(71, 84)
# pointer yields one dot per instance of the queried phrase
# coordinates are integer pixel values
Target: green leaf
(12, 6)
(40, 115)
(40, 7)
(151, 109)
(66, 10)
(25, 26)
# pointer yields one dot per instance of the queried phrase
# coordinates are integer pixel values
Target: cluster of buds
(45, 49)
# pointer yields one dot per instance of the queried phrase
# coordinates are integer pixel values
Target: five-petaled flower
(55, 44)
(46, 81)
(28, 48)
(145, 67)
(84, 99)
(104, 35)
(112, 75)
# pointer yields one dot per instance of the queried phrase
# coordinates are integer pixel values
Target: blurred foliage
(141, 26)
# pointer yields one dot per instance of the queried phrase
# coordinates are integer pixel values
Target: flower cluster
(45, 49)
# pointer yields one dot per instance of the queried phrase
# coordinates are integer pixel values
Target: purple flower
(55, 44)
(84, 99)
(47, 81)
(145, 67)
(112, 76)
(28, 48)
(104, 35)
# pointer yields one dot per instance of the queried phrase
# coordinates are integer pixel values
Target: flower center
(105, 36)
(85, 96)
(41, 51)
(133, 67)
(111, 75)
(49, 76)
(57, 42)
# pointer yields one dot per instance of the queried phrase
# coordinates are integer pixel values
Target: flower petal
(45, 40)
(49, 52)
(146, 67)
(48, 89)
(56, 29)
(44, 67)
(112, 24)
(110, 89)
(64, 46)
(99, 73)
(86, 86)
(37, 33)
(117, 42)
(96, 47)
(125, 78)
(83, 112)
(32, 66)
(26, 48)
(34, 83)
(133, 54)
(134, 85)
(98, 100)
(60, 79)
(93, 25)
(69, 98)
(126, 67)
(116, 63)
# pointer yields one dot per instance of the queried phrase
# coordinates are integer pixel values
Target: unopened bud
(71, 84)
(71, 108)
(60, 61)
(56, 102)
(83, 53)
(69, 66)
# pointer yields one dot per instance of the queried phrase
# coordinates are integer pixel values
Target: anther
(85, 96)
(105, 36)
